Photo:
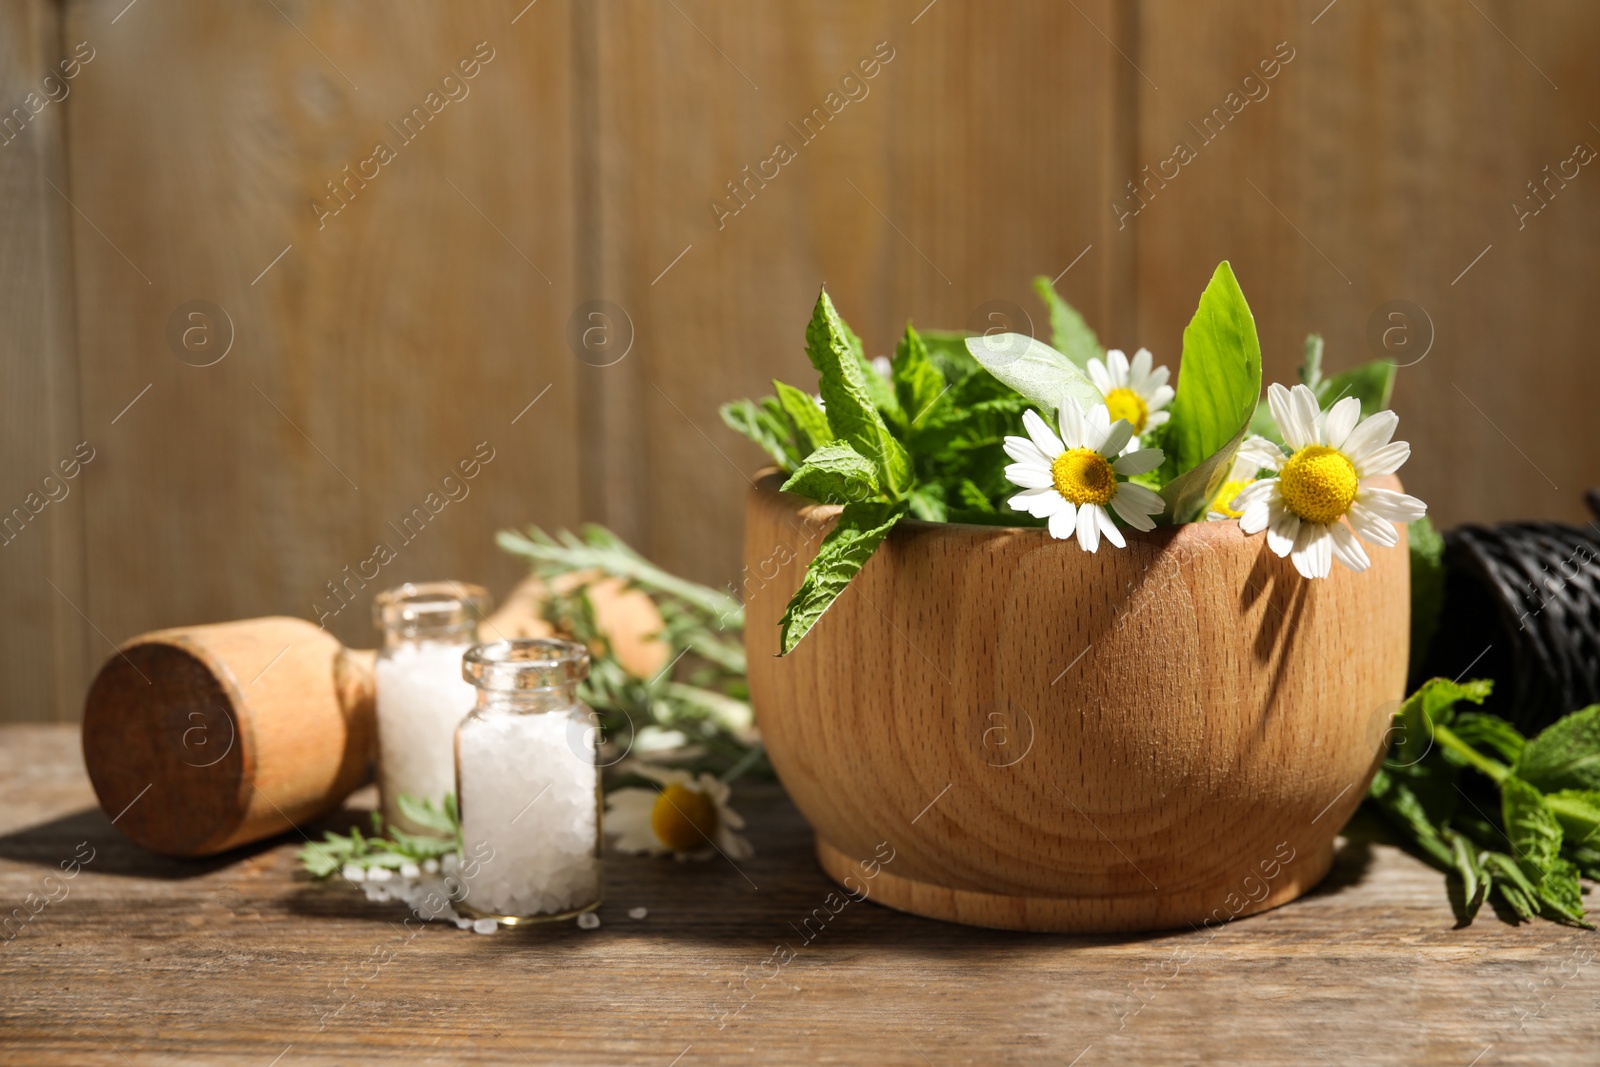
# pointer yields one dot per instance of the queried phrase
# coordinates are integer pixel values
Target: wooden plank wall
(575, 188)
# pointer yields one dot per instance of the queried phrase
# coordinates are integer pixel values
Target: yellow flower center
(1084, 477)
(683, 819)
(1220, 503)
(1129, 406)
(1318, 484)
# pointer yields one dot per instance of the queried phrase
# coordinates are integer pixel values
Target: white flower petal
(1374, 432)
(733, 845)
(1159, 397)
(1140, 462)
(1088, 528)
(1156, 419)
(1023, 450)
(1064, 523)
(1158, 379)
(1282, 532)
(1073, 431)
(1028, 476)
(1096, 427)
(1347, 550)
(1384, 460)
(1128, 509)
(1313, 550)
(1340, 420)
(1255, 491)
(1139, 369)
(1388, 504)
(1307, 411)
(1286, 415)
(1137, 496)
(1255, 518)
(1099, 376)
(1109, 528)
(1117, 364)
(1117, 438)
(1040, 503)
(1042, 436)
(1371, 527)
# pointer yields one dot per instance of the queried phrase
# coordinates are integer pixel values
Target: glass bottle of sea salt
(528, 780)
(421, 696)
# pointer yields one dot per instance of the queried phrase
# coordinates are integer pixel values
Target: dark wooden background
(1382, 165)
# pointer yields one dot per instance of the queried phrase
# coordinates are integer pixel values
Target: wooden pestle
(203, 738)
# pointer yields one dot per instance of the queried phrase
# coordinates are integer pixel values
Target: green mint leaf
(1512, 885)
(848, 394)
(807, 417)
(756, 423)
(1578, 812)
(974, 498)
(1427, 585)
(1398, 800)
(948, 351)
(928, 504)
(917, 382)
(1069, 333)
(1371, 383)
(835, 474)
(840, 557)
(1311, 362)
(1471, 875)
(1431, 705)
(1532, 828)
(1219, 377)
(1562, 895)
(878, 388)
(1566, 754)
(1035, 370)
(1482, 730)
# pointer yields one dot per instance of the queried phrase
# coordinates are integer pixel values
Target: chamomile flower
(1334, 455)
(1254, 454)
(688, 817)
(1072, 479)
(1133, 391)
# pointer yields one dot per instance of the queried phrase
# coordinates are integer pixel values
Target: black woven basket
(1522, 606)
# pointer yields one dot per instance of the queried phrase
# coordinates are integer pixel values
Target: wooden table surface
(236, 960)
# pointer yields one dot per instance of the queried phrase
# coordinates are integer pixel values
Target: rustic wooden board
(372, 358)
(232, 960)
(44, 641)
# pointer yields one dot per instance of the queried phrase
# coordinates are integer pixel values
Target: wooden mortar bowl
(1138, 739)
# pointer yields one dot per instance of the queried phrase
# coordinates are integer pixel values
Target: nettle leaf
(774, 435)
(842, 554)
(1069, 333)
(836, 474)
(803, 412)
(918, 384)
(848, 393)
(1566, 755)
(1219, 377)
(1035, 370)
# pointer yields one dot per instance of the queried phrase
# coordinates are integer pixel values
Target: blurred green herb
(388, 846)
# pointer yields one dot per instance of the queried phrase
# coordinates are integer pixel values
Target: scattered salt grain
(410, 870)
(638, 913)
(484, 926)
(463, 924)
(352, 873)
(430, 866)
(379, 874)
(588, 921)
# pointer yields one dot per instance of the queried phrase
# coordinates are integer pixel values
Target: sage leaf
(861, 528)
(807, 417)
(1219, 377)
(1035, 370)
(835, 474)
(849, 396)
(1566, 754)
(1069, 333)
(917, 382)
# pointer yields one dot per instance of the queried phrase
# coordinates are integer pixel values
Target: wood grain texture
(233, 960)
(370, 361)
(976, 157)
(1123, 740)
(44, 642)
(205, 738)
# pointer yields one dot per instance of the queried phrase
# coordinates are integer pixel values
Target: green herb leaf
(948, 351)
(1396, 797)
(849, 396)
(1371, 383)
(758, 424)
(1473, 878)
(928, 504)
(1431, 705)
(1311, 362)
(1035, 370)
(803, 412)
(1531, 826)
(1192, 490)
(1482, 730)
(917, 382)
(1069, 333)
(835, 474)
(1512, 885)
(1566, 754)
(1219, 377)
(426, 813)
(1427, 585)
(841, 555)
(1578, 811)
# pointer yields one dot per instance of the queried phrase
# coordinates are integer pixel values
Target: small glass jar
(421, 696)
(528, 781)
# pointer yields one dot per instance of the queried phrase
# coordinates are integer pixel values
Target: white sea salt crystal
(484, 926)
(352, 873)
(530, 818)
(430, 866)
(379, 874)
(638, 913)
(410, 870)
(421, 699)
(463, 924)
(589, 921)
